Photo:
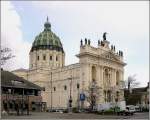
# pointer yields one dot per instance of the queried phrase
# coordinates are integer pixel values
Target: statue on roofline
(104, 35)
(81, 43)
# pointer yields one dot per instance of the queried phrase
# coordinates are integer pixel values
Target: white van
(130, 109)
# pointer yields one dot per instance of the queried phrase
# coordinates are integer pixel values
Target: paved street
(45, 115)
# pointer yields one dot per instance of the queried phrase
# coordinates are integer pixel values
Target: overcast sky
(126, 22)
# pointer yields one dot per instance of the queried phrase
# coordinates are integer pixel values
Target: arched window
(54, 88)
(78, 85)
(93, 73)
(117, 96)
(50, 57)
(117, 78)
(65, 87)
(106, 72)
(107, 77)
(105, 96)
(108, 96)
(56, 58)
(38, 57)
(44, 57)
(117, 93)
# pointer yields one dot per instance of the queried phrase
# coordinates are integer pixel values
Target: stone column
(89, 73)
(98, 75)
(84, 76)
(99, 83)
(103, 83)
(121, 95)
(115, 76)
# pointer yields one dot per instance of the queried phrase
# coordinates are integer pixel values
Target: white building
(47, 69)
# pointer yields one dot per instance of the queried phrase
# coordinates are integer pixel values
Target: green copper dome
(47, 40)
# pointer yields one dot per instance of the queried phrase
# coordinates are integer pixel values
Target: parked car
(137, 109)
(56, 110)
(49, 110)
(130, 110)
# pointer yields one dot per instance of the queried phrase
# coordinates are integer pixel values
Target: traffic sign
(82, 96)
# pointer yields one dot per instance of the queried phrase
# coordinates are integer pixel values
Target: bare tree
(6, 54)
(93, 93)
(131, 82)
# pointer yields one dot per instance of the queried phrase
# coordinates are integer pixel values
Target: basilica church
(63, 84)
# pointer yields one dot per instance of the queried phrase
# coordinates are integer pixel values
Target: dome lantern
(47, 25)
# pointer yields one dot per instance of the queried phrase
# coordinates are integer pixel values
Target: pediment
(111, 56)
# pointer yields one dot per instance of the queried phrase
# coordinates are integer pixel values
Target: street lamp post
(78, 99)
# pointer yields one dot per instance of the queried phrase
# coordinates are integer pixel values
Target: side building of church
(102, 65)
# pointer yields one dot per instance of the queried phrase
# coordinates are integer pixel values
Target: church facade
(102, 65)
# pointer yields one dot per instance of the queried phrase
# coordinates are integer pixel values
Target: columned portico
(106, 66)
